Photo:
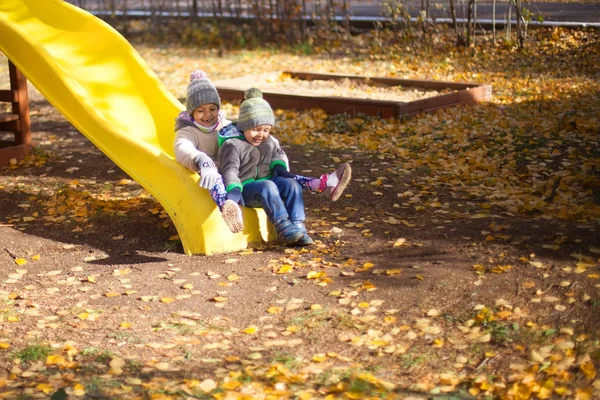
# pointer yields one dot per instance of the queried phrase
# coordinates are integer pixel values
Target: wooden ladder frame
(17, 121)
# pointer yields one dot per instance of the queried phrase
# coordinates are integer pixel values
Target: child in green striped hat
(255, 173)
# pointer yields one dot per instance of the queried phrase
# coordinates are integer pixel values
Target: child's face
(258, 134)
(206, 115)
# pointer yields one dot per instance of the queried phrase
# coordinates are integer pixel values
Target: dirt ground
(393, 300)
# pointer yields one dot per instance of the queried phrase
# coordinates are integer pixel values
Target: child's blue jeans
(280, 197)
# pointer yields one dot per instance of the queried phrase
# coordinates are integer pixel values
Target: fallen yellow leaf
(315, 274)
(588, 369)
(583, 394)
(55, 359)
(167, 300)
(250, 330)
(207, 385)
(78, 390)
(45, 387)
(399, 242)
(284, 269)
(368, 286)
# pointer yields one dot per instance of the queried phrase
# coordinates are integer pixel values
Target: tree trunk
(332, 14)
(474, 29)
(520, 24)
(460, 39)
(494, 20)
(271, 20)
(346, 20)
(303, 19)
(470, 25)
(125, 19)
(508, 22)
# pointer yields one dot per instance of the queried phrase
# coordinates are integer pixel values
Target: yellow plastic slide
(98, 81)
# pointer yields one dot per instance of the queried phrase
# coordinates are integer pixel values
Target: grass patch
(412, 361)
(101, 356)
(289, 360)
(322, 318)
(358, 382)
(308, 319)
(36, 352)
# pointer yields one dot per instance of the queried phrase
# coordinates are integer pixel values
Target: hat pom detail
(197, 75)
(253, 93)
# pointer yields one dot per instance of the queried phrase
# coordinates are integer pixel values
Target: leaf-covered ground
(462, 261)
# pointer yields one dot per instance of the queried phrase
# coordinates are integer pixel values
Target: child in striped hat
(196, 143)
(255, 110)
(254, 171)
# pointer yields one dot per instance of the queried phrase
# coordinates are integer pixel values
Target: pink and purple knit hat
(200, 91)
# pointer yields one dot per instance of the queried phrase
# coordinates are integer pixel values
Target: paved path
(550, 11)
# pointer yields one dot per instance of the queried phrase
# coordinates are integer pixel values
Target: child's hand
(208, 174)
(279, 170)
(208, 177)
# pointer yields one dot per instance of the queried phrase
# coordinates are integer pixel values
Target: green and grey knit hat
(254, 111)
(200, 91)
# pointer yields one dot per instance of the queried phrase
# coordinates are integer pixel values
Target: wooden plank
(9, 96)
(18, 82)
(332, 105)
(6, 143)
(425, 84)
(469, 96)
(10, 126)
(17, 152)
(7, 117)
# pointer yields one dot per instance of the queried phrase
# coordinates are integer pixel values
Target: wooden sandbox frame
(464, 93)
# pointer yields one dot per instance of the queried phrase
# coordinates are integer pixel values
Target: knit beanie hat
(254, 111)
(200, 91)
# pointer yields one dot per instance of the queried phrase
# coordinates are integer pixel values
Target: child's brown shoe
(233, 216)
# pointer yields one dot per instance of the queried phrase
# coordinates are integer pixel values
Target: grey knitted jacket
(242, 163)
